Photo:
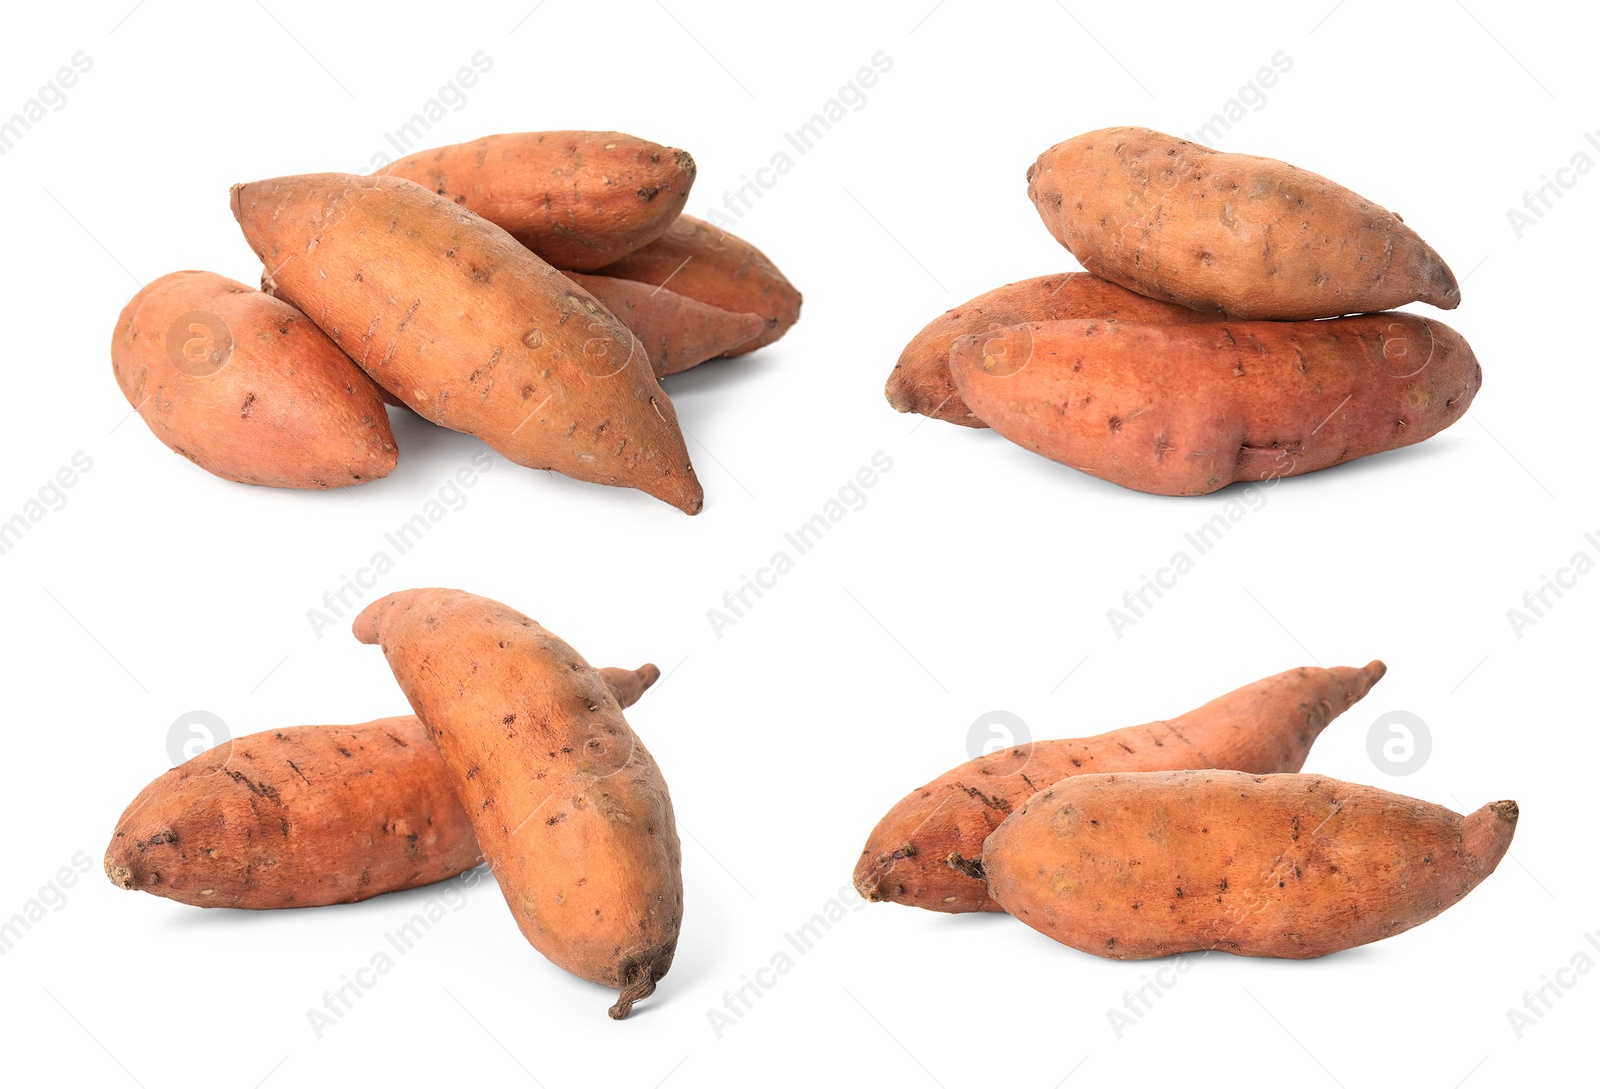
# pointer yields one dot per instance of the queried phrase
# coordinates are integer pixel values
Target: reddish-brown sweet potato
(1134, 866)
(305, 816)
(571, 811)
(719, 269)
(1188, 409)
(245, 387)
(470, 329)
(677, 331)
(1238, 234)
(1267, 726)
(921, 382)
(578, 199)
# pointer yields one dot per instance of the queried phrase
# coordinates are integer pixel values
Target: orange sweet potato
(578, 199)
(1134, 866)
(569, 808)
(305, 816)
(1238, 234)
(1188, 409)
(245, 387)
(677, 331)
(719, 269)
(1267, 726)
(921, 382)
(470, 329)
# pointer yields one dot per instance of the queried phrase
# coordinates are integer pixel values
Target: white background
(976, 576)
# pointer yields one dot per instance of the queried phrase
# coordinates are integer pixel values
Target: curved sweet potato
(921, 382)
(305, 816)
(1188, 409)
(1266, 726)
(1246, 236)
(571, 811)
(245, 387)
(578, 199)
(719, 269)
(470, 329)
(677, 331)
(1134, 866)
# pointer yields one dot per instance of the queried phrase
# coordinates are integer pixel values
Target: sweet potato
(1266, 726)
(570, 810)
(469, 328)
(578, 199)
(719, 269)
(245, 387)
(1134, 866)
(1238, 234)
(921, 382)
(1188, 409)
(677, 331)
(305, 816)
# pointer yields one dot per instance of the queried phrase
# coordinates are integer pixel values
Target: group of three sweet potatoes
(529, 289)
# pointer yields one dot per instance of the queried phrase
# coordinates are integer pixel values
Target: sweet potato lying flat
(719, 269)
(470, 329)
(1266, 726)
(578, 199)
(1133, 866)
(1246, 236)
(305, 816)
(1188, 409)
(571, 811)
(677, 331)
(921, 382)
(245, 387)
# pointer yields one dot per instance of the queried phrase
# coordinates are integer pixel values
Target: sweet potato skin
(677, 331)
(306, 816)
(1186, 410)
(298, 817)
(921, 382)
(246, 387)
(569, 808)
(470, 329)
(579, 200)
(1266, 726)
(1136, 866)
(719, 269)
(1242, 235)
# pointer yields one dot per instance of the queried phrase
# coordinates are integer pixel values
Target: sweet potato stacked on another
(529, 289)
(1190, 355)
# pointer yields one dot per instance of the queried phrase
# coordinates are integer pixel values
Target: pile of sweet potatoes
(1198, 833)
(528, 289)
(518, 754)
(1209, 341)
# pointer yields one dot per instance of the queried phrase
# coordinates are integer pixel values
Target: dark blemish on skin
(244, 409)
